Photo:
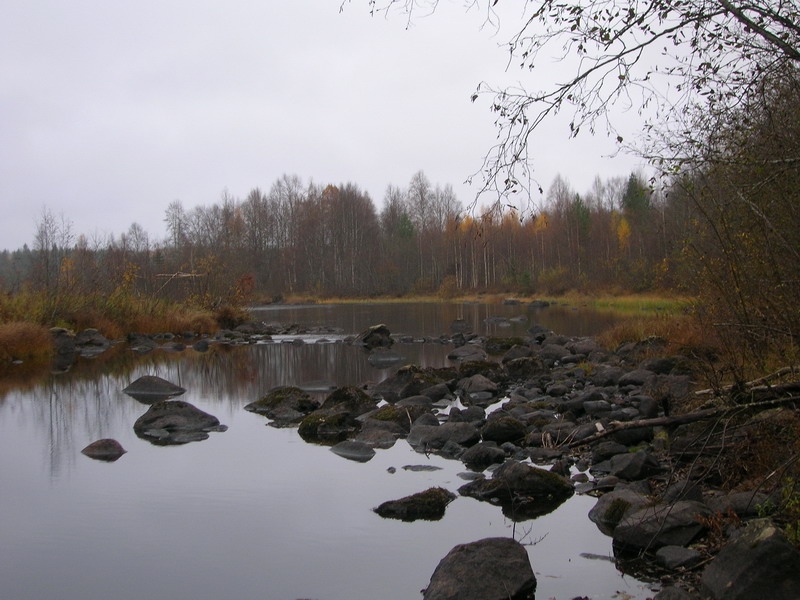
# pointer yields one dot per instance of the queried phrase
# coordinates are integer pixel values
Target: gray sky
(109, 110)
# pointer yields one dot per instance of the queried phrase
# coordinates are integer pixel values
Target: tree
(662, 58)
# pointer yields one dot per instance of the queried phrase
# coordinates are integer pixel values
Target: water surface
(253, 512)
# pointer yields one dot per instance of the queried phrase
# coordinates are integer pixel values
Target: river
(255, 512)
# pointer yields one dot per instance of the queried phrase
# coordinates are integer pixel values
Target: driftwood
(755, 384)
(690, 417)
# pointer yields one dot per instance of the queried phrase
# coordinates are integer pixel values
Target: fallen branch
(691, 417)
(756, 382)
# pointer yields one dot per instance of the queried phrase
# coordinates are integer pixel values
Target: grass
(26, 342)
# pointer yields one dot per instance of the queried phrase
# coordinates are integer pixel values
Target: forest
(332, 241)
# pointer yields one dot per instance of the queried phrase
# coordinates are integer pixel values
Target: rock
(150, 388)
(504, 429)
(373, 337)
(744, 504)
(285, 405)
(662, 525)
(353, 450)
(337, 418)
(428, 437)
(527, 492)
(489, 569)
(467, 352)
(169, 422)
(429, 505)
(401, 415)
(499, 345)
(476, 384)
(482, 455)
(408, 381)
(634, 466)
(614, 506)
(107, 450)
(683, 490)
(91, 342)
(677, 557)
(515, 352)
(553, 352)
(759, 563)
(637, 377)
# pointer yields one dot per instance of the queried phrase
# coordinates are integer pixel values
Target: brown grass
(26, 342)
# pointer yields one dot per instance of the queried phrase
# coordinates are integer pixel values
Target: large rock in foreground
(760, 563)
(489, 569)
(169, 422)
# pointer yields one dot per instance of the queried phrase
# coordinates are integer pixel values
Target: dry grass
(26, 342)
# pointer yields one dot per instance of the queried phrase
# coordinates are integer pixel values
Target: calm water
(253, 512)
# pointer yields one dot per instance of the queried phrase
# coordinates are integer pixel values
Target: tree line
(302, 238)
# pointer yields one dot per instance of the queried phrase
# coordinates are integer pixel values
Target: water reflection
(234, 515)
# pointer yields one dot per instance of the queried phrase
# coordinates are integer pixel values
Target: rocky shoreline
(591, 421)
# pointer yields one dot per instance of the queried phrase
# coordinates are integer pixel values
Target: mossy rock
(351, 397)
(284, 403)
(411, 380)
(429, 505)
(327, 426)
(403, 416)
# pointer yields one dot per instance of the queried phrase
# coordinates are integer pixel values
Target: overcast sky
(111, 110)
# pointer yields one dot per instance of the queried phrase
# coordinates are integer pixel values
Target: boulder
(407, 381)
(482, 455)
(504, 429)
(429, 505)
(677, 557)
(107, 450)
(424, 438)
(614, 506)
(354, 450)
(150, 388)
(633, 467)
(169, 422)
(373, 337)
(663, 525)
(91, 342)
(673, 593)
(759, 563)
(467, 352)
(523, 491)
(285, 405)
(337, 418)
(489, 569)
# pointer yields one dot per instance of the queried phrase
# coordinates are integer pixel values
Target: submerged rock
(107, 450)
(150, 388)
(169, 422)
(489, 569)
(429, 505)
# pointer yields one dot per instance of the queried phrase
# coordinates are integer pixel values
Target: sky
(110, 110)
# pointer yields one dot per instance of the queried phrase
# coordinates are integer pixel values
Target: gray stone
(175, 422)
(634, 466)
(677, 557)
(759, 563)
(489, 569)
(663, 525)
(673, 593)
(429, 505)
(614, 506)
(150, 388)
(107, 450)
(353, 450)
